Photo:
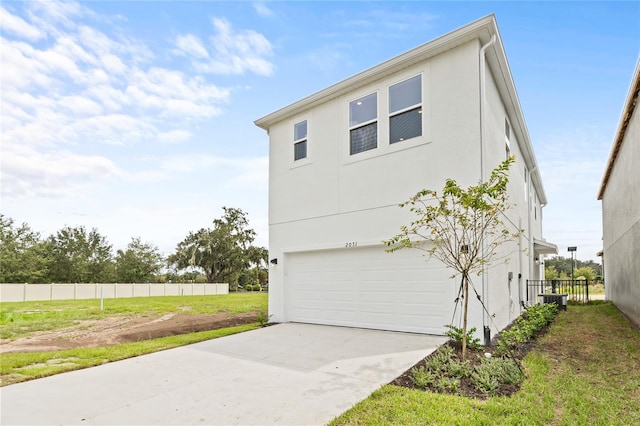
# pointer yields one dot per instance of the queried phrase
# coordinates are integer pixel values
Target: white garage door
(369, 288)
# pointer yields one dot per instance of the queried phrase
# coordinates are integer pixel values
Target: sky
(136, 117)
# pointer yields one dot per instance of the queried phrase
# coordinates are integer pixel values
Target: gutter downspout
(532, 254)
(485, 319)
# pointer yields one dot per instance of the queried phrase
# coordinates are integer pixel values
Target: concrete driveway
(286, 374)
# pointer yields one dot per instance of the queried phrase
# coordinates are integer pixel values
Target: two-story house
(342, 159)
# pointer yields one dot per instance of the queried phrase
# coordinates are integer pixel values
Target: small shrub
(263, 318)
(510, 372)
(503, 348)
(447, 384)
(492, 372)
(439, 360)
(456, 334)
(485, 382)
(422, 378)
(525, 327)
(459, 369)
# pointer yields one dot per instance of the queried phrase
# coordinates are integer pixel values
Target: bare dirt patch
(115, 330)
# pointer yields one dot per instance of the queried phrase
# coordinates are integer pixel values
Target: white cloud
(174, 136)
(81, 87)
(115, 129)
(27, 172)
(233, 52)
(148, 176)
(171, 93)
(56, 17)
(262, 9)
(191, 45)
(113, 64)
(19, 27)
(80, 105)
(109, 97)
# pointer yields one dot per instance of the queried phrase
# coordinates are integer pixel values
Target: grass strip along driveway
(22, 319)
(25, 319)
(584, 371)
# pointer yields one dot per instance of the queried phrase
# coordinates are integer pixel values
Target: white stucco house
(620, 195)
(342, 159)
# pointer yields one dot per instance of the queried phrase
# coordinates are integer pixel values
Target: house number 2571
(351, 244)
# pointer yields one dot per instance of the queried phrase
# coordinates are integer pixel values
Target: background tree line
(559, 268)
(223, 253)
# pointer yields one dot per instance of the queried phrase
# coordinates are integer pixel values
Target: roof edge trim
(628, 109)
(421, 52)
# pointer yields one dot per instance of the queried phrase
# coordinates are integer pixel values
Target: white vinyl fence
(32, 292)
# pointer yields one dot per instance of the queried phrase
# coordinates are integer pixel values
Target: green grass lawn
(584, 371)
(21, 319)
(18, 367)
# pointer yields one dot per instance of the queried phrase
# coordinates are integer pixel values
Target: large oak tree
(223, 252)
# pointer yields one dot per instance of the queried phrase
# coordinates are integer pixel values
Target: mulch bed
(466, 387)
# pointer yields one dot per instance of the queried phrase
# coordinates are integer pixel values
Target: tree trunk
(465, 283)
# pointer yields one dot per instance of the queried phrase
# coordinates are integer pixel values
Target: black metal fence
(576, 290)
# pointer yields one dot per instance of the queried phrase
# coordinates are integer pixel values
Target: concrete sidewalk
(286, 374)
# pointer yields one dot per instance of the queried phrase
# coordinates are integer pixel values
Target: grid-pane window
(363, 124)
(406, 125)
(300, 140)
(364, 138)
(405, 109)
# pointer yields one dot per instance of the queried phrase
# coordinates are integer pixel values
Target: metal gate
(576, 290)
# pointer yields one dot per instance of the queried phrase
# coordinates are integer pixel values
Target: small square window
(300, 140)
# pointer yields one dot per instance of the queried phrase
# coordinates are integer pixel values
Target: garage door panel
(367, 287)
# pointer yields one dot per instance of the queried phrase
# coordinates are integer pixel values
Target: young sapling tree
(463, 228)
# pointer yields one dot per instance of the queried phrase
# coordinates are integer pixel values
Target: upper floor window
(405, 109)
(300, 140)
(363, 124)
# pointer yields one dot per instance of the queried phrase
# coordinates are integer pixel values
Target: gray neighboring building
(620, 195)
